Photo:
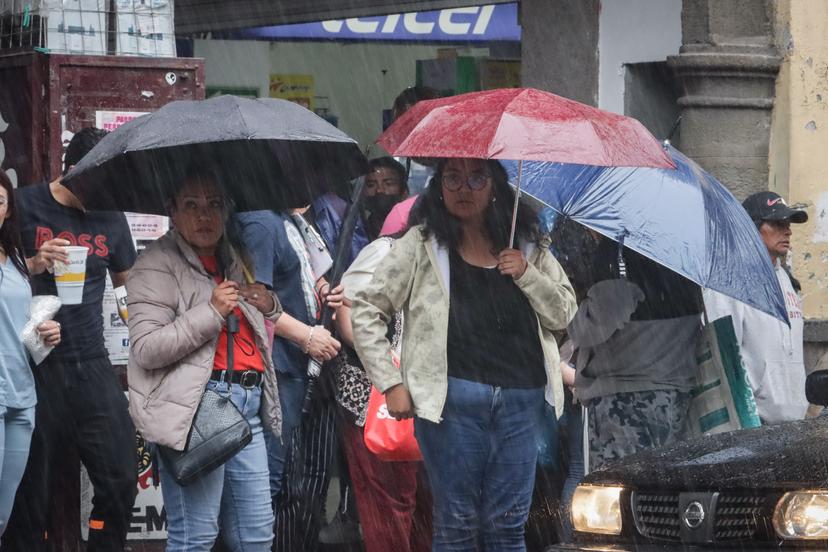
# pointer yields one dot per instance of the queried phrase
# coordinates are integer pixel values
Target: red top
(246, 355)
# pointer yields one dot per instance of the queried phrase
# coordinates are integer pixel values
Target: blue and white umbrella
(682, 218)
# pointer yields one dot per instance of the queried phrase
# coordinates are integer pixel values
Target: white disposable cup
(121, 302)
(70, 276)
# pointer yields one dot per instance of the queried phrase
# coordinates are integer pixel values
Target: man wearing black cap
(772, 352)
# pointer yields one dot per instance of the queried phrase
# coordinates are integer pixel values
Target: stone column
(727, 69)
(559, 47)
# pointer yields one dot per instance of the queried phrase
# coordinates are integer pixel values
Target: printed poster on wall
(116, 334)
(110, 120)
(293, 87)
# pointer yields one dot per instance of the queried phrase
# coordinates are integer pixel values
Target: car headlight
(597, 509)
(802, 515)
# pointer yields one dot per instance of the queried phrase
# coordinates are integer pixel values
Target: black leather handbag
(219, 431)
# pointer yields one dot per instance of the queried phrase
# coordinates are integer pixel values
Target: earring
(494, 199)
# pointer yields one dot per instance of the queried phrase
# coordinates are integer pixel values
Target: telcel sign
(468, 24)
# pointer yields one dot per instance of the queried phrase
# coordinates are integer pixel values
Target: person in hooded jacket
(636, 337)
(772, 351)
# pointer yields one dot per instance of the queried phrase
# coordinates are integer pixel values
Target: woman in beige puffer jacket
(180, 291)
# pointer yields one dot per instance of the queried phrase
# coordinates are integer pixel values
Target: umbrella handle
(622, 264)
(515, 208)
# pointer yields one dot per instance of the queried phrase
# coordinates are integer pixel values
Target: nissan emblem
(693, 515)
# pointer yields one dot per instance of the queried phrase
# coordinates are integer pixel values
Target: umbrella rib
(241, 116)
(607, 157)
(503, 112)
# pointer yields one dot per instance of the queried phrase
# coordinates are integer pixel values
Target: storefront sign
(296, 88)
(468, 24)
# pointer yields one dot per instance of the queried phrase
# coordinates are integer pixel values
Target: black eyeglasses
(454, 181)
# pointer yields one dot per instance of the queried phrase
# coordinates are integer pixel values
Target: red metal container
(44, 95)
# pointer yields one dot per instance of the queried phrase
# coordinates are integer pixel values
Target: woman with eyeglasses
(477, 353)
(181, 292)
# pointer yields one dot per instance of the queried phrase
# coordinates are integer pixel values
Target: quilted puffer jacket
(173, 332)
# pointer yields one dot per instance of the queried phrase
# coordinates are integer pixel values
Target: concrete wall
(238, 63)
(358, 79)
(633, 31)
(560, 47)
(650, 95)
(799, 141)
(351, 76)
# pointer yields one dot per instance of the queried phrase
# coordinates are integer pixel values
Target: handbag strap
(232, 329)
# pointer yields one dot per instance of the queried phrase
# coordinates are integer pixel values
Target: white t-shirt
(772, 352)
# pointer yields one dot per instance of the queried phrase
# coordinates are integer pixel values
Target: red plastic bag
(389, 439)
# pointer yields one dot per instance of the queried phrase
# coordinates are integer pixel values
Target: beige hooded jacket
(414, 278)
(173, 332)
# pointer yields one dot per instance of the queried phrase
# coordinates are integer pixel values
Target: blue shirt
(276, 265)
(329, 214)
(418, 175)
(17, 388)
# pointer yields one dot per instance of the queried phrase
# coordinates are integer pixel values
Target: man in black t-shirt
(81, 403)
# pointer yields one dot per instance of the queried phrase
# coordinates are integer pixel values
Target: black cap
(763, 206)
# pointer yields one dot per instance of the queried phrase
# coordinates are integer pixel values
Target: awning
(197, 16)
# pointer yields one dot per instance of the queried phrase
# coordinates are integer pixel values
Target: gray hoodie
(617, 354)
(771, 351)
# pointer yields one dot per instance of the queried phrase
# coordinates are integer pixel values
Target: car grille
(657, 516)
(737, 517)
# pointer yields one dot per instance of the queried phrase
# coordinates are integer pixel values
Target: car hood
(786, 456)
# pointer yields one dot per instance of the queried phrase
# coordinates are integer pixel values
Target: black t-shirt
(110, 247)
(493, 331)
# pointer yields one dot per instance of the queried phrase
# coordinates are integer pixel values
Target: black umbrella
(266, 153)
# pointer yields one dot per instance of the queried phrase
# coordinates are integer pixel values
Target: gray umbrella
(266, 153)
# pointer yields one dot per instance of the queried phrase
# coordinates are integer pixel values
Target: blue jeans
(233, 497)
(291, 396)
(16, 426)
(481, 464)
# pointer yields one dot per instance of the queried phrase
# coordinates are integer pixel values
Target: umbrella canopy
(522, 124)
(266, 153)
(683, 219)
